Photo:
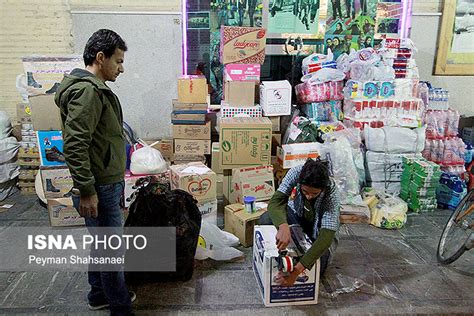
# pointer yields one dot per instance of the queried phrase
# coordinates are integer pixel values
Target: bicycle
(458, 233)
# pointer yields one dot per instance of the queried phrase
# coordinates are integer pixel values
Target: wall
(424, 34)
(45, 28)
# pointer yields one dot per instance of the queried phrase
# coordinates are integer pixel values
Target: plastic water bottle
(426, 153)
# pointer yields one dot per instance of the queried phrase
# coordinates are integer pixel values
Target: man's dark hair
(105, 41)
(315, 173)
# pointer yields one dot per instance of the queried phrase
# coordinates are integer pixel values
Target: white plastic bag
(5, 125)
(216, 244)
(8, 149)
(147, 160)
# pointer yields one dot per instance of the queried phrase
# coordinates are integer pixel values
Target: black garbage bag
(156, 205)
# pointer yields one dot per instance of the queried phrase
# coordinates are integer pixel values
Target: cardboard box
(192, 89)
(275, 97)
(254, 181)
(45, 114)
(165, 147)
(245, 142)
(188, 117)
(242, 72)
(188, 106)
(242, 45)
(215, 164)
(241, 223)
(291, 155)
(130, 181)
(235, 111)
(275, 123)
(306, 288)
(181, 159)
(23, 113)
(57, 181)
(209, 211)
(195, 178)
(192, 146)
(239, 93)
(62, 213)
(192, 131)
(220, 185)
(50, 144)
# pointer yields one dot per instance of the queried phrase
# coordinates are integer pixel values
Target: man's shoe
(96, 307)
(53, 89)
(53, 154)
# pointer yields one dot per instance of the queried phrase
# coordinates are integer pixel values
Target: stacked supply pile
(385, 148)
(9, 146)
(191, 131)
(28, 155)
(383, 87)
(419, 181)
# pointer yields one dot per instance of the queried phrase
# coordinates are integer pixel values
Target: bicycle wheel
(456, 232)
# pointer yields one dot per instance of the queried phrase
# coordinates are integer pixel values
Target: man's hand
(283, 236)
(289, 280)
(88, 206)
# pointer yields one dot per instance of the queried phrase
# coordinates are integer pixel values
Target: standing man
(94, 149)
(309, 197)
(336, 9)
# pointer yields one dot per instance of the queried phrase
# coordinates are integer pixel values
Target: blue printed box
(50, 144)
(265, 266)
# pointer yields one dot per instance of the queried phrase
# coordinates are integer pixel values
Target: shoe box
(50, 144)
(44, 113)
(62, 213)
(57, 182)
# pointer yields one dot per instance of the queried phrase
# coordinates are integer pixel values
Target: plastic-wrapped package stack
(9, 170)
(382, 89)
(385, 148)
(451, 190)
(442, 145)
(419, 182)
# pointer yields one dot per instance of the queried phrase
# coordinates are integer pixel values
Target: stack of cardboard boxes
(191, 130)
(28, 154)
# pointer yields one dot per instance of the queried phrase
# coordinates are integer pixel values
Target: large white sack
(5, 125)
(395, 140)
(8, 171)
(8, 149)
(392, 188)
(384, 167)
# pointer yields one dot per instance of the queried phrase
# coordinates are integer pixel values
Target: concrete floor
(401, 265)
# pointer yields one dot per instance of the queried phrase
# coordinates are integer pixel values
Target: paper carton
(44, 113)
(275, 123)
(192, 89)
(192, 131)
(245, 141)
(306, 288)
(242, 45)
(180, 159)
(188, 106)
(131, 180)
(23, 113)
(241, 223)
(291, 155)
(62, 213)
(185, 117)
(215, 165)
(50, 144)
(239, 111)
(254, 181)
(195, 178)
(57, 181)
(275, 97)
(242, 72)
(192, 146)
(209, 211)
(240, 93)
(226, 186)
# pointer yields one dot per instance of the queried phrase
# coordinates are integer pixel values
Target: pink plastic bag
(308, 92)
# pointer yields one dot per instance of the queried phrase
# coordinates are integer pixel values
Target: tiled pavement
(399, 269)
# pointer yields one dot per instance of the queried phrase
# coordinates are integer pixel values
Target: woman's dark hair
(105, 41)
(315, 173)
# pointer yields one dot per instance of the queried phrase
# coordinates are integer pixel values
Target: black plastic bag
(156, 205)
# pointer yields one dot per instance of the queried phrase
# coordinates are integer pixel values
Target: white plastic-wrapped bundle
(8, 171)
(395, 140)
(384, 167)
(8, 149)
